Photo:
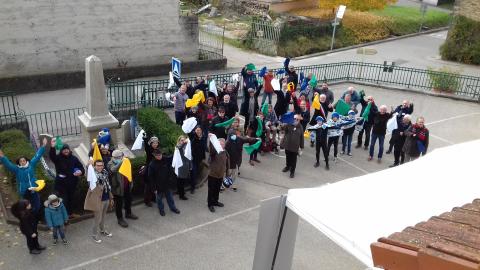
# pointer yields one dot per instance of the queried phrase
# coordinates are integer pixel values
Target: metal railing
(355, 72)
(9, 105)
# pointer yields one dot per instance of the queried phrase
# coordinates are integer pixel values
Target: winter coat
(64, 166)
(249, 81)
(421, 134)
(55, 216)
(380, 123)
(219, 163)
(283, 99)
(118, 181)
(160, 173)
(25, 177)
(234, 149)
(268, 88)
(244, 107)
(199, 147)
(293, 138)
(28, 223)
(180, 100)
(373, 111)
(230, 109)
(220, 132)
(185, 169)
(292, 75)
(355, 97)
(93, 199)
(328, 93)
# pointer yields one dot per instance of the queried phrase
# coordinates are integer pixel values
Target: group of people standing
(216, 141)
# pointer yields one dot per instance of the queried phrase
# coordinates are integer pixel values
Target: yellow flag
(291, 87)
(306, 134)
(40, 185)
(197, 98)
(126, 169)
(316, 102)
(96, 152)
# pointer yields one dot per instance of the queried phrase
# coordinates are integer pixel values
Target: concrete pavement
(198, 239)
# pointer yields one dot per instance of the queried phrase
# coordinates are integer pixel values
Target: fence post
(410, 78)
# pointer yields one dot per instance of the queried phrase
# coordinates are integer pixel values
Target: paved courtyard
(198, 239)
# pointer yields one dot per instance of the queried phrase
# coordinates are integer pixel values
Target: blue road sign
(176, 67)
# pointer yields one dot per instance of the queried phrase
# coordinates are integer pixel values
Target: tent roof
(355, 212)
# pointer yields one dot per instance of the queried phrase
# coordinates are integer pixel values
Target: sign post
(338, 16)
(176, 67)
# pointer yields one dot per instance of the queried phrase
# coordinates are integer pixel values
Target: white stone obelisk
(97, 115)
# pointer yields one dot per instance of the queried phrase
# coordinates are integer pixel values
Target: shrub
(365, 27)
(444, 79)
(463, 41)
(156, 122)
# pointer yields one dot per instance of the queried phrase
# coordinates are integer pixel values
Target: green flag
(342, 108)
(366, 112)
(250, 148)
(58, 143)
(265, 109)
(259, 127)
(226, 123)
(313, 81)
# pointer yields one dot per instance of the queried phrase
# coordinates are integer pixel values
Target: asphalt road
(198, 239)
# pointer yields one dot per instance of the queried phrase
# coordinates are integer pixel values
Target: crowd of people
(218, 127)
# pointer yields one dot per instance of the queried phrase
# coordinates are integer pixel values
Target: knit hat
(351, 112)
(319, 118)
(251, 67)
(117, 154)
(251, 90)
(65, 146)
(335, 115)
(157, 152)
(50, 199)
(152, 140)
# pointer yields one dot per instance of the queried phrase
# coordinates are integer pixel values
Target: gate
(210, 42)
(264, 36)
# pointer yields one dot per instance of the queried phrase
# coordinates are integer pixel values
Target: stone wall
(52, 36)
(468, 8)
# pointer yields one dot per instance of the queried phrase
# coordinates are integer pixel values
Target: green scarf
(259, 128)
(226, 123)
(250, 148)
(367, 111)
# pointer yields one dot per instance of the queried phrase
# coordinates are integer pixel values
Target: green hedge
(156, 122)
(463, 41)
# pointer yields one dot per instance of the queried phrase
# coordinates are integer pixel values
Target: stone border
(55, 81)
(371, 43)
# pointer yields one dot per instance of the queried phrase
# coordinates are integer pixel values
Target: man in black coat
(220, 132)
(367, 125)
(159, 173)
(401, 110)
(231, 108)
(68, 169)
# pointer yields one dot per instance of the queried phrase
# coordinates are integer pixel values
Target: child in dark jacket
(56, 216)
(28, 225)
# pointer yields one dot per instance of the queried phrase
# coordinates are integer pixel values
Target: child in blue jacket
(56, 216)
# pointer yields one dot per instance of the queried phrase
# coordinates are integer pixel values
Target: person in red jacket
(267, 86)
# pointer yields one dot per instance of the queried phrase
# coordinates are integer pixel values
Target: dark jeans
(148, 195)
(214, 185)
(398, 151)
(196, 165)
(168, 195)
(32, 243)
(381, 140)
(124, 202)
(265, 95)
(253, 155)
(59, 231)
(347, 143)
(181, 186)
(324, 148)
(334, 141)
(367, 129)
(66, 190)
(291, 159)
(179, 117)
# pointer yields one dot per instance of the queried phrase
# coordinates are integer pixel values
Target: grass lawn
(407, 20)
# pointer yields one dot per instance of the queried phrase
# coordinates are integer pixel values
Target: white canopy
(356, 212)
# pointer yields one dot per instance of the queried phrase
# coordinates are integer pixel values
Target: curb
(371, 43)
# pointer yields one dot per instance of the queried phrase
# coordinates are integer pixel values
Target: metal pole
(333, 34)
(423, 9)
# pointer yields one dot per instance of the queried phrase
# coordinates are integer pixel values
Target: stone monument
(96, 115)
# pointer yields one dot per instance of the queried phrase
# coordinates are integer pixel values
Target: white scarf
(91, 177)
(25, 166)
